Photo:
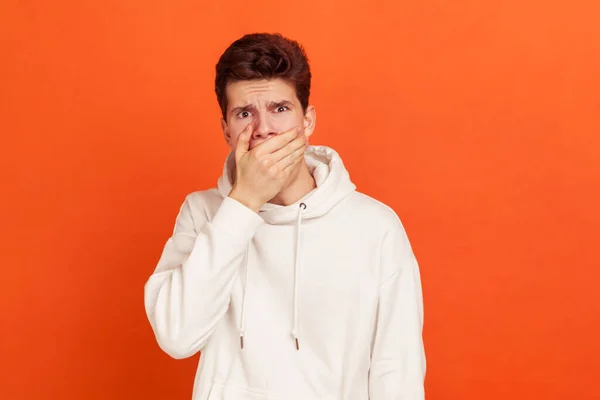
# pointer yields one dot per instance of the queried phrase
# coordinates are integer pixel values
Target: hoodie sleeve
(190, 289)
(398, 358)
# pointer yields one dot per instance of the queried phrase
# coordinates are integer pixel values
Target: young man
(293, 285)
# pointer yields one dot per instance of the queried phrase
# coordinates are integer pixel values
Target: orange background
(478, 122)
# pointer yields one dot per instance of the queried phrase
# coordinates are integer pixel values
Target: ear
(310, 120)
(226, 133)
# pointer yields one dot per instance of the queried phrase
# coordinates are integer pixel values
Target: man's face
(270, 105)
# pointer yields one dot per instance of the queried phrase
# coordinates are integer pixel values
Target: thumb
(243, 142)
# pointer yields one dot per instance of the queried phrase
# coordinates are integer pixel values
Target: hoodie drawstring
(296, 271)
(301, 208)
(243, 315)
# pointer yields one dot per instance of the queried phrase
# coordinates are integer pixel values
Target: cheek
(234, 128)
(287, 122)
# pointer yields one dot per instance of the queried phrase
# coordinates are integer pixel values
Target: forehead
(245, 92)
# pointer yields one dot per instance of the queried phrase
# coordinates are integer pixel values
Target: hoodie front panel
(337, 304)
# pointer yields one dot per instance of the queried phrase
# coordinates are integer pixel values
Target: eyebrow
(238, 110)
(273, 104)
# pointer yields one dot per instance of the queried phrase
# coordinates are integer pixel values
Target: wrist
(244, 199)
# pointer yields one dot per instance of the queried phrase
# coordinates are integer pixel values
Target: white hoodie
(320, 299)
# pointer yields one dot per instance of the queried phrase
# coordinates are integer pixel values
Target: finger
(279, 141)
(243, 142)
(289, 148)
(293, 159)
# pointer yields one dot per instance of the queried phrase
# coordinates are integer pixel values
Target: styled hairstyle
(263, 56)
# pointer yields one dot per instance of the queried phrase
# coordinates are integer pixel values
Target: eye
(282, 109)
(244, 114)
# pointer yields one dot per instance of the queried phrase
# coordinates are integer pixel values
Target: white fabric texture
(320, 299)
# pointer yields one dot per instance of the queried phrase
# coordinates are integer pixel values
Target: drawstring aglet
(242, 342)
(297, 344)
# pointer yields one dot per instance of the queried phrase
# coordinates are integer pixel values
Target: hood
(332, 181)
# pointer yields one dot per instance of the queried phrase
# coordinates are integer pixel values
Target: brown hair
(263, 56)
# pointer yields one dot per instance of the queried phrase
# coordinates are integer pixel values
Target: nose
(263, 128)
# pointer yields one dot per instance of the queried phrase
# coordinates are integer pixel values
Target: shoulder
(394, 246)
(371, 212)
(203, 199)
(198, 207)
(381, 227)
